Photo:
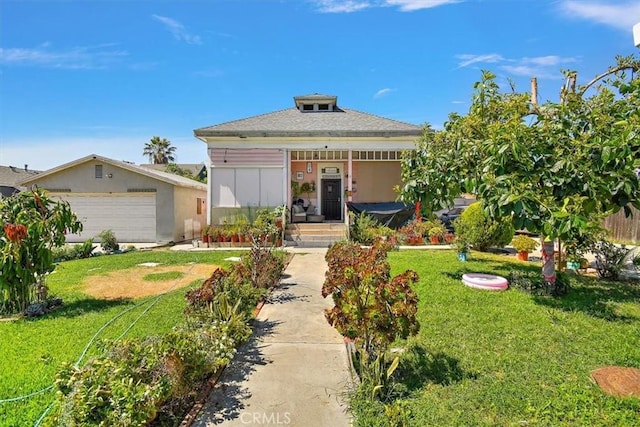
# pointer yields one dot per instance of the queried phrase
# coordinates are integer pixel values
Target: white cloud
(411, 5)
(76, 58)
(622, 15)
(543, 67)
(382, 92)
(341, 6)
(347, 6)
(549, 60)
(178, 30)
(468, 59)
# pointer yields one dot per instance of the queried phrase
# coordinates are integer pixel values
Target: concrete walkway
(294, 370)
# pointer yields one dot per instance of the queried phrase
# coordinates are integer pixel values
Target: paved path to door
(294, 371)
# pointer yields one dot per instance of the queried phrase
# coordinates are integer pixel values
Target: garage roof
(169, 178)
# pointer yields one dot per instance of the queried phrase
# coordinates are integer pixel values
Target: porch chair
(298, 214)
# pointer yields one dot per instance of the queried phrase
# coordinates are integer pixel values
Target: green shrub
(69, 252)
(108, 241)
(364, 229)
(609, 259)
(482, 232)
(262, 267)
(132, 379)
(200, 300)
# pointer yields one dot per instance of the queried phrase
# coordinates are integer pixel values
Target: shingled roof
(196, 169)
(298, 122)
(11, 176)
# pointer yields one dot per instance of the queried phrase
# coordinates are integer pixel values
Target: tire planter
(487, 282)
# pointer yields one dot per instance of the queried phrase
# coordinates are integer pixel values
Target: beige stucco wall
(188, 223)
(375, 181)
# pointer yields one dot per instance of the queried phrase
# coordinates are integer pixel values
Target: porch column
(350, 177)
(287, 181)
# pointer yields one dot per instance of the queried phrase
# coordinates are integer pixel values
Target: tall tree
(159, 150)
(557, 169)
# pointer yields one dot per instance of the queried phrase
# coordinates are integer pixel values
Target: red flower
(15, 232)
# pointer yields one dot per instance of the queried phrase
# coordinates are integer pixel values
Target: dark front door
(331, 199)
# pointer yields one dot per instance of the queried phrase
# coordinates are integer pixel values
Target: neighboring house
(10, 176)
(345, 155)
(197, 170)
(138, 204)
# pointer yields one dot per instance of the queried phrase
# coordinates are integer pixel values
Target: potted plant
(232, 231)
(436, 232)
(205, 234)
(523, 245)
(412, 232)
(242, 228)
(462, 246)
(280, 215)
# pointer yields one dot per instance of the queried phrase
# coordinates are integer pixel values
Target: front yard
(510, 358)
(32, 351)
(480, 358)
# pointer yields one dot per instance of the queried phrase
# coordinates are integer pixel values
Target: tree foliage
(557, 169)
(33, 225)
(159, 150)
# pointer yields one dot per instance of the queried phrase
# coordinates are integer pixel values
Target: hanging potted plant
(523, 245)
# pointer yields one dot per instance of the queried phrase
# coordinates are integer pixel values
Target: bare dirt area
(130, 283)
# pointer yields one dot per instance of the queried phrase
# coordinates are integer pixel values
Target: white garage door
(131, 216)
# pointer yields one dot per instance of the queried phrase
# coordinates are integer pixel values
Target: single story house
(10, 176)
(138, 204)
(342, 154)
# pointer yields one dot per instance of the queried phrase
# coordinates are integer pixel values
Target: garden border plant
(156, 379)
(371, 309)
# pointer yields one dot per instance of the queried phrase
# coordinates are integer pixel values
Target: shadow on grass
(419, 367)
(86, 305)
(591, 295)
(595, 297)
(226, 401)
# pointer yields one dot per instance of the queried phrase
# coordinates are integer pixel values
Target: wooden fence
(624, 229)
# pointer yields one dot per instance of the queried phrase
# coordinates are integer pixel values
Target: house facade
(342, 155)
(140, 205)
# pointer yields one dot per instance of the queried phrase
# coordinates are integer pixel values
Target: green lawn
(512, 359)
(31, 351)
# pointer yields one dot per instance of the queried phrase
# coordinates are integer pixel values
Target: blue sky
(104, 76)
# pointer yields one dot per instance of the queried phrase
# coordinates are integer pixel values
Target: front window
(98, 171)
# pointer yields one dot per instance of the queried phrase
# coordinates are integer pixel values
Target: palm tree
(159, 150)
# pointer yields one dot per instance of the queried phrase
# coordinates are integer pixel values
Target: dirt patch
(618, 380)
(129, 283)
